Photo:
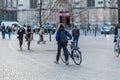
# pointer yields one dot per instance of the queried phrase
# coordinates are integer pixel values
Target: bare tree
(40, 10)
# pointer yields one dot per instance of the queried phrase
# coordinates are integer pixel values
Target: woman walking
(29, 35)
(9, 32)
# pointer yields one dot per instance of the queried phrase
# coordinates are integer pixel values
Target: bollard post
(50, 36)
(85, 32)
(95, 32)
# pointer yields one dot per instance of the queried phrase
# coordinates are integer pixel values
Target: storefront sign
(64, 14)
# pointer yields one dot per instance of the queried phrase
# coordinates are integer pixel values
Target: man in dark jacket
(62, 44)
(3, 31)
(21, 33)
(117, 32)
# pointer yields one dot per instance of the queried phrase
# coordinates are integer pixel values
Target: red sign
(64, 14)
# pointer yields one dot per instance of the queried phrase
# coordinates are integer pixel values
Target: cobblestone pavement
(99, 62)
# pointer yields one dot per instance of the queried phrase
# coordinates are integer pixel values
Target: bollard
(50, 36)
(85, 32)
(95, 32)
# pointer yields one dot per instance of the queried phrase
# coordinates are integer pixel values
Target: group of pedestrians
(28, 36)
(62, 37)
(5, 30)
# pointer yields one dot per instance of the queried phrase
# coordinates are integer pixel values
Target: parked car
(10, 23)
(49, 28)
(36, 29)
(109, 29)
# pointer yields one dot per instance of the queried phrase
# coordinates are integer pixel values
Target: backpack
(63, 36)
(76, 32)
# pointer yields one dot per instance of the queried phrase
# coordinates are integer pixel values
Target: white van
(10, 23)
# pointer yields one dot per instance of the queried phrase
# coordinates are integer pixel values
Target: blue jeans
(3, 35)
(75, 39)
(9, 34)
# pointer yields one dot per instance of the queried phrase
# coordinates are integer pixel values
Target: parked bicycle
(117, 47)
(75, 54)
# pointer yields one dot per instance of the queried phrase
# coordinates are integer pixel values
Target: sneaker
(28, 48)
(56, 62)
(67, 63)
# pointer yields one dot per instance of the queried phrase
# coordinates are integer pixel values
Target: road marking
(27, 57)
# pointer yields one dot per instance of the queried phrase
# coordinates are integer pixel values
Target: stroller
(41, 39)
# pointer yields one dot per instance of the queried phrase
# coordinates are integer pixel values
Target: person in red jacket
(75, 34)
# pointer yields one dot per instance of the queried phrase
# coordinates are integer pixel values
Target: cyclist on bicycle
(62, 40)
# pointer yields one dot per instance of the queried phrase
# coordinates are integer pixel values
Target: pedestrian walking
(20, 32)
(116, 32)
(13, 29)
(89, 28)
(75, 35)
(9, 32)
(29, 35)
(62, 40)
(3, 31)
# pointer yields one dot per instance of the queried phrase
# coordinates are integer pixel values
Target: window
(9, 3)
(1, 3)
(33, 3)
(90, 3)
(100, 2)
(77, 4)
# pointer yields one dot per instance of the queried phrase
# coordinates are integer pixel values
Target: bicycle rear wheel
(62, 56)
(77, 57)
(116, 51)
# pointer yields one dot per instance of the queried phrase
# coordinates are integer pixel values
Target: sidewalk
(97, 55)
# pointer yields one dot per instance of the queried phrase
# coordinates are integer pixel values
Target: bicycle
(75, 54)
(117, 47)
(41, 40)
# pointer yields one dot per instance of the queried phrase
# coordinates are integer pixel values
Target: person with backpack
(75, 34)
(62, 40)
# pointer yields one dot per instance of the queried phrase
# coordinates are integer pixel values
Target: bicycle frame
(75, 54)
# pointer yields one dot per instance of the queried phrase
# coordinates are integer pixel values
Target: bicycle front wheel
(116, 51)
(77, 57)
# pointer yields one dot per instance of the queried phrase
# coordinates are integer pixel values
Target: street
(99, 61)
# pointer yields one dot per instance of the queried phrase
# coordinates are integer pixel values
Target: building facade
(118, 11)
(78, 12)
(8, 10)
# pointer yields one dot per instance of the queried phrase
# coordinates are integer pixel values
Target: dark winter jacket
(57, 34)
(21, 33)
